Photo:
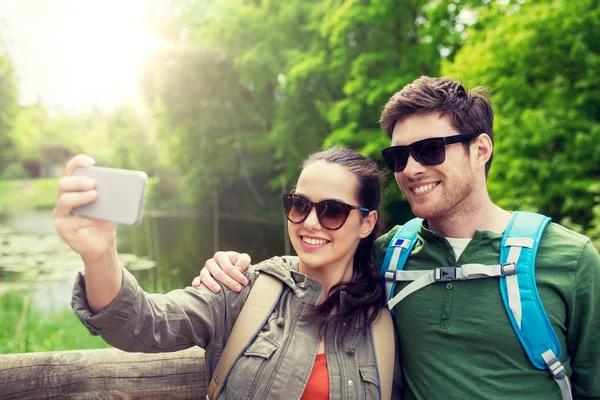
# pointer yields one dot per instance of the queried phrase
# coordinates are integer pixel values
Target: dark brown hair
(355, 300)
(469, 111)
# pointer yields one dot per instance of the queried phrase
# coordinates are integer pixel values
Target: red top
(317, 387)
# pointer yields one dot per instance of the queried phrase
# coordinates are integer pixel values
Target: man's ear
(482, 150)
(368, 224)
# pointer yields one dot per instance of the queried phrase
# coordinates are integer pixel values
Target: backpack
(516, 273)
(259, 305)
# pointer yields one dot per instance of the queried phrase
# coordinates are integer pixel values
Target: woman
(316, 344)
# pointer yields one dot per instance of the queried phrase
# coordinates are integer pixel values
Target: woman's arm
(93, 239)
(108, 299)
(138, 321)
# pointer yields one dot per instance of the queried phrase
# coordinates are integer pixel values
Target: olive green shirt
(456, 340)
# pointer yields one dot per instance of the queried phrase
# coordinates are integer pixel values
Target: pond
(164, 252)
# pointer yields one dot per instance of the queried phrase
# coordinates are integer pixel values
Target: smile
(314, 241)
(424, 188)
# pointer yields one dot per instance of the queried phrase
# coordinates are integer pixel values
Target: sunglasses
(332, 214)
(426, 152)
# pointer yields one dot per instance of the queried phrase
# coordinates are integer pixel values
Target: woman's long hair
(354, 301)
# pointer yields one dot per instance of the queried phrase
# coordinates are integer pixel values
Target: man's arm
(583, 326)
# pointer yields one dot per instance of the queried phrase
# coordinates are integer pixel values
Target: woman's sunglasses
(332, 214)
(426, 152)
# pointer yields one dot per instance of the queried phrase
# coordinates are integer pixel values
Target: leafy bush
(14, 171)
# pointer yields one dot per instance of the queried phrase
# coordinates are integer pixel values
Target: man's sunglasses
(426, 152)
(332, 214)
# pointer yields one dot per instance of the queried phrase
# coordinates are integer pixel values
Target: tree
(375, 48)
(254, 87)
(131, 140)
(34, 127)
(8, 107)
(223, 106)
(541, 59)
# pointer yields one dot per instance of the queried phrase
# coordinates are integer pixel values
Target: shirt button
(451, 259)
(350, 383)
(445, 316)
(448, 286)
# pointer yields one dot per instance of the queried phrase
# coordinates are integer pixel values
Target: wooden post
(134, 241)
(101, 374)
(147, 227)
(156, 248)
(215, 196)
(149, 246)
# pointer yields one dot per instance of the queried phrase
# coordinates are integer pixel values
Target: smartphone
(121, 195)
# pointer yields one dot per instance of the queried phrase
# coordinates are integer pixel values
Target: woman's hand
(91, 238)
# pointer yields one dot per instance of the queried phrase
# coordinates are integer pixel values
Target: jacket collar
(285, 268)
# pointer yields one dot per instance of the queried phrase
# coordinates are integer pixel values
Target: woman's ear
(368, 224)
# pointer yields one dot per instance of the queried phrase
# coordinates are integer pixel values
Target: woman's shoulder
(280, 267)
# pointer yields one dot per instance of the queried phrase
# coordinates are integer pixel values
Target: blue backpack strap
(531, 324)
(397, 253)
(522, 300)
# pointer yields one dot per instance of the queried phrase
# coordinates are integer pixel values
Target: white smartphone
(121, 195)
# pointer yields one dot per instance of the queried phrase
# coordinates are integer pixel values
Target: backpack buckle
(444, 274)
(556, 368)
(508, 269)
(390, 275)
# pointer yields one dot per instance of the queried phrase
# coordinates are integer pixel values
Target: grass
(26, 330)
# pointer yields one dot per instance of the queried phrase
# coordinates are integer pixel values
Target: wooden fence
(103, 374)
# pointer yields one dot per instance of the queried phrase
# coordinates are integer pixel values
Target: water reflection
(164, 253)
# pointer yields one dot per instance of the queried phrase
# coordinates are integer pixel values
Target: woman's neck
(329, 275)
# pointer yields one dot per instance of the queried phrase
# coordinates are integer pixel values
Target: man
(455, 338)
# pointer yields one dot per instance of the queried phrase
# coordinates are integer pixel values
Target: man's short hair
(469, 111)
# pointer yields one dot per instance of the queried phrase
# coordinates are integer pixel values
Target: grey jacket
(277, 365)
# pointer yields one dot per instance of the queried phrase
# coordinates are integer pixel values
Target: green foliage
(274, 81)
(226, 120)
(14, 171)
(17, 195)
(249, 89)
(29, 131)
(36, 128)
(123, 139)
(163, 193)
(132, 142)
(541, 60)
(376, 48)
(8, 107)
